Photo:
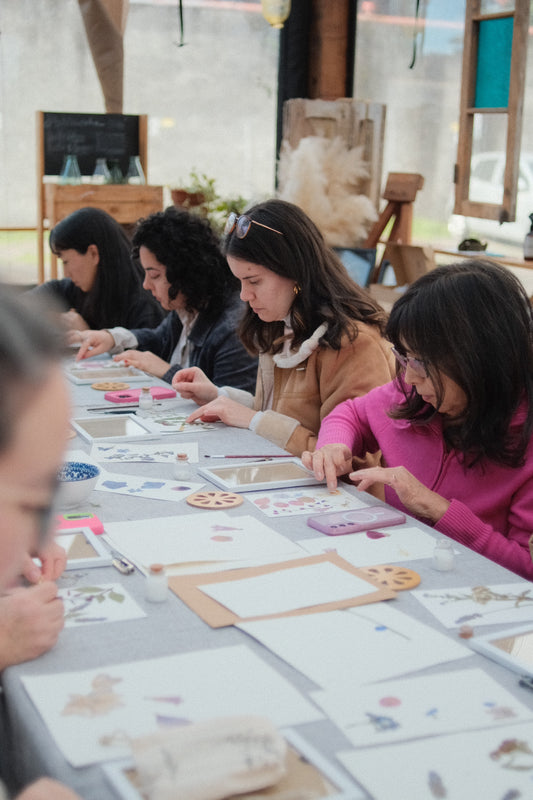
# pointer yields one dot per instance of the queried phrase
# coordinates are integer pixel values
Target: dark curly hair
(117, 276)
(190, 251)
(472, 322)
(327, 293)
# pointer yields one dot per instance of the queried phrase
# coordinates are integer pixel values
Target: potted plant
(200, 196)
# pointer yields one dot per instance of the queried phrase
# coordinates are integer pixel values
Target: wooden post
(329, 49)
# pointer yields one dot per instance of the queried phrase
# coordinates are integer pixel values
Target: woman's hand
(45, 788)
(31, 620)
(72, 321)
(93, 343)
(145, 361)
(228, 411)
(53, 562)
(329, 462)
(417, 498)
(193, 384)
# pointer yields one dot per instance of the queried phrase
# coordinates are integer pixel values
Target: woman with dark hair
(102, 286)
(318, 335)
(186, 272)
(455, 427)
(34, 420)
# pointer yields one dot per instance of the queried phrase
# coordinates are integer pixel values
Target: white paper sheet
(480, 605)
(288, 589)
(212, 536)
(357, 642)
(303, 500)
(426, 705)
(154, 488)
(88, 604)
(380, 546)
(112, 703)
(495, 764)
(145, 453)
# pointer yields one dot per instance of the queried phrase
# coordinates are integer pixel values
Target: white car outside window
(486, 186)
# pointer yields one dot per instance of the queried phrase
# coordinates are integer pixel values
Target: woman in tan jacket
(317, 333)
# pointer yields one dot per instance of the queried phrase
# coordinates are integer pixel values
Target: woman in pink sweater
(455, 427)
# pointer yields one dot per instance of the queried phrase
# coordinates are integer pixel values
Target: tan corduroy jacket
(305, 394)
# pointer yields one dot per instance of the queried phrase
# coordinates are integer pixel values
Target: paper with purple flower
(154, 488)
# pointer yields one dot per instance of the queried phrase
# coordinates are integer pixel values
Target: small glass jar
(182, 470)
(101, 172)
(70, 171)
(115, 171)
(156, 584)
(135, 174)
(146, 401)
(443, 557)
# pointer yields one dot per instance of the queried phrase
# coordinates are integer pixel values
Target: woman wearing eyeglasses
(455, 427)
(34, 405)
(317, 334)
(188, 275)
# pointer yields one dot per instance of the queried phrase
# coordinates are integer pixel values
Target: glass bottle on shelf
(115, 171)
(70, 171)
(135, 174)
(101, 172)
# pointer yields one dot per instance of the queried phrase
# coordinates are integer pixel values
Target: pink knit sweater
(491, 507)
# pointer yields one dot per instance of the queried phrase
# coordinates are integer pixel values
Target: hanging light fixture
(276, 11)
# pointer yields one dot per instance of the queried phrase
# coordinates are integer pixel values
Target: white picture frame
(342, 787)
(84, 549)
(89, 372)
(510, 647)
(112, 428)
(260, 475)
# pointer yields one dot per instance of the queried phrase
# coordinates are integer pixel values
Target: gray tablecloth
(172, 627)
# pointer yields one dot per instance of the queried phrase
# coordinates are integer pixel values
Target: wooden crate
(357, 122)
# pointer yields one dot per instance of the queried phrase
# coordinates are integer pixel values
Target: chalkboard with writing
(88, 137)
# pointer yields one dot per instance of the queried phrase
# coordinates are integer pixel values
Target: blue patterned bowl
(76, 482)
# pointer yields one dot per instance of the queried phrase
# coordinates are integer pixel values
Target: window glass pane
(488, 158)
(494, 63)
(496, 6)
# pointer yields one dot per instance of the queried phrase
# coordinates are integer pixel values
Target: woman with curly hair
(102, 286)
(186, 272)
(317, 333)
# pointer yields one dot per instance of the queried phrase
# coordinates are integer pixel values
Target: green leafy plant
(199, 195)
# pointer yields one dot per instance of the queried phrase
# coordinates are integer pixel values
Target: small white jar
(182, 470)
(146, 401)
(443, 557)
(156, 584)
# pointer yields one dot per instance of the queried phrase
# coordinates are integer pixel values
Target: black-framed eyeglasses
(419, 367)
(242, 224)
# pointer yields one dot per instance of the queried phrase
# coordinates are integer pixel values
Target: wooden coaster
(110, 386)
(214, 500)
(394, 577)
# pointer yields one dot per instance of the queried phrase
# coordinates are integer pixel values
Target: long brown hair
(296, 249)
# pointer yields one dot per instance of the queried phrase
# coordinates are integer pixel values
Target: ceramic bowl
(76, 482)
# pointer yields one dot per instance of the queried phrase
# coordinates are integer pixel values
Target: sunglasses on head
(242, 224)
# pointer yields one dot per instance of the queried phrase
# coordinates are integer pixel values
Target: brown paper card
(186, 587)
